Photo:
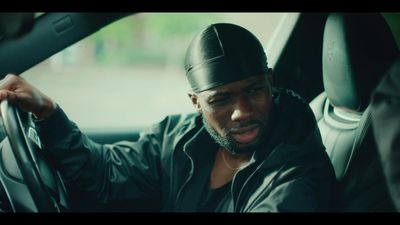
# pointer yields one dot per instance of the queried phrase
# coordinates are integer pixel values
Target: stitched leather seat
(357, 50)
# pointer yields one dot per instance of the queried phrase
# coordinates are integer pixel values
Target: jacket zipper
(243, 186)
(187, 180)
(273, 179)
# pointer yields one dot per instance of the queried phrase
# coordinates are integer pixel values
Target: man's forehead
(236, 85)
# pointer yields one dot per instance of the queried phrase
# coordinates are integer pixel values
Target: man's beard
(229, 143)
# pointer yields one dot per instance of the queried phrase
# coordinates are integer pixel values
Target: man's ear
(195, 101)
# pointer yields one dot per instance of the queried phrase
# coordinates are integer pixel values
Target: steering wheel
(36, 173)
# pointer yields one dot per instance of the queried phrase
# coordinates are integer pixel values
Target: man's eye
(219, 101)
(255, 90)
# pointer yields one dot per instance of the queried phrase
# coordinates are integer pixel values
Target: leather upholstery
(337, 132)
(357, 50)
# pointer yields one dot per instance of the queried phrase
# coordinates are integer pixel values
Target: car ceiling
(51, 33)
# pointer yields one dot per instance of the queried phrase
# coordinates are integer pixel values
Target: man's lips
(246, 134)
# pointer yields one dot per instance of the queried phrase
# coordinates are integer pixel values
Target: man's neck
(225, 167)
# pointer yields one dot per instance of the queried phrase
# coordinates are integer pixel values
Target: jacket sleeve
(297, 190)
(296, 195)
(124, 170)
(304, 183)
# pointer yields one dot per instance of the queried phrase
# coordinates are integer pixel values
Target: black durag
(223, 53)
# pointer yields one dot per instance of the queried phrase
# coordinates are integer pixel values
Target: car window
(131, 73)
(393, 20)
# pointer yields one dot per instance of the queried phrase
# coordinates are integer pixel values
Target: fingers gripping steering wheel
(41, 179)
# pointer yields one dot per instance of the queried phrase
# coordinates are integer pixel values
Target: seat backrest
(357, 50)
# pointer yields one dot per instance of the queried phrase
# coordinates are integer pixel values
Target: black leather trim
(357, 50)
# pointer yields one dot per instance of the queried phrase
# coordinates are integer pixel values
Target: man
(385, 112)
(250, 147)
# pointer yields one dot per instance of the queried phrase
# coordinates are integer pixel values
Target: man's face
(236, 114)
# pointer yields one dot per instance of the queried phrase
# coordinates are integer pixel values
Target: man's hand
(26, 96)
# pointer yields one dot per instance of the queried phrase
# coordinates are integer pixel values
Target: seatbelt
(362, 129)
(369, 192)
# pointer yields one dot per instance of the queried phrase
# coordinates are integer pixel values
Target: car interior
(350, 74)
(333, 60)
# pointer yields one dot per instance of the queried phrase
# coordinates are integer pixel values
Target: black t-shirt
(210, 200)
(216, 200)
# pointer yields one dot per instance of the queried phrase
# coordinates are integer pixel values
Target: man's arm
(27, 97)
(105, 172)
(124, 170)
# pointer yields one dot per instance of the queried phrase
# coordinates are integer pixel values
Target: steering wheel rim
(16, 129)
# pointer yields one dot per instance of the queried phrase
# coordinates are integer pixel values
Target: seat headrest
(357, 50)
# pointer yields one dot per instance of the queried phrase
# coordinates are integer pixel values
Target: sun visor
(15, 24)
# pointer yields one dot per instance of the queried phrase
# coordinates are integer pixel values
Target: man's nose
(242, 110)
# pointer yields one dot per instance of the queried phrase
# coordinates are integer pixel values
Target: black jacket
(385, 112)
(292, 172)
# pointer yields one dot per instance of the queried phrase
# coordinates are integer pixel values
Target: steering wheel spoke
(43, 181)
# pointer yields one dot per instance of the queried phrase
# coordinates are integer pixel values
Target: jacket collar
(201, 147)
